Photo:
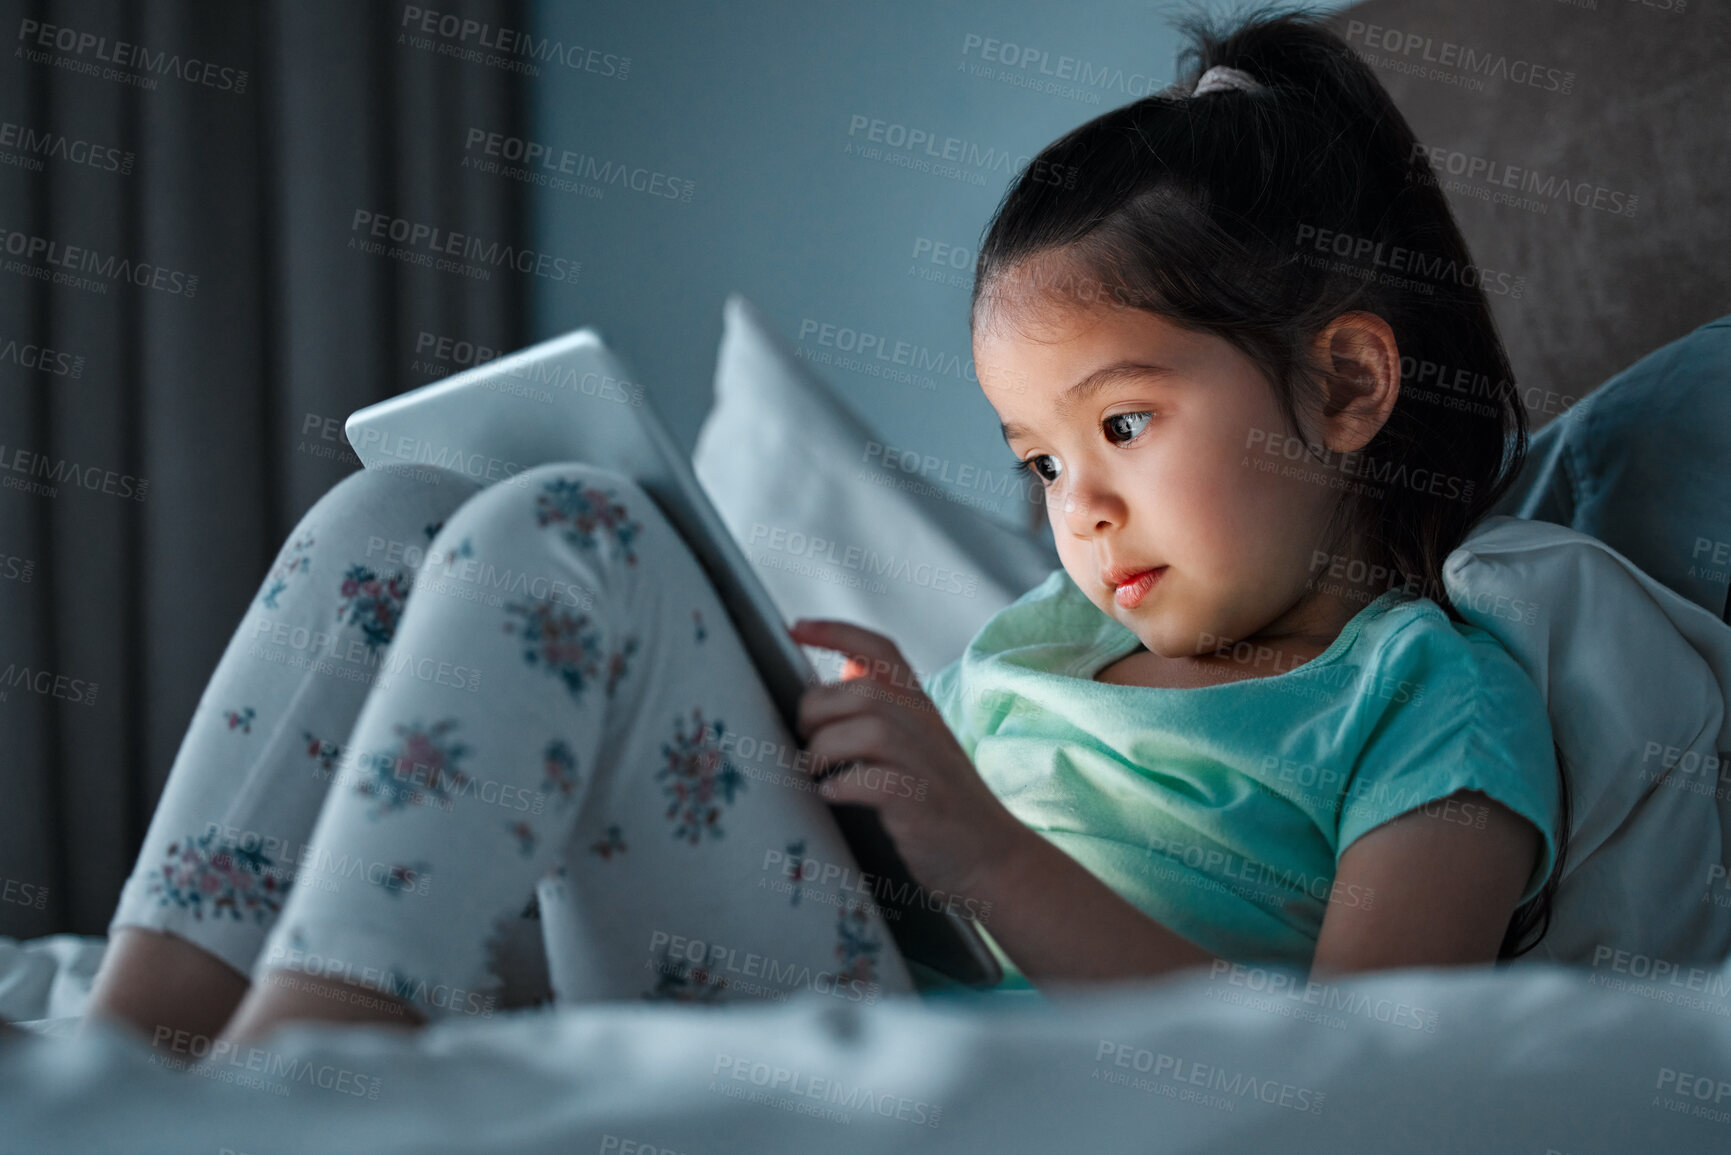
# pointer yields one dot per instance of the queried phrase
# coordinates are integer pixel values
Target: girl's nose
(1088, 509)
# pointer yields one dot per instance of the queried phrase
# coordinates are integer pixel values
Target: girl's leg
(224, 847)
(598, 734)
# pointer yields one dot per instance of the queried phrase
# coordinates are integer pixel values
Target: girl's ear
(1360, 351)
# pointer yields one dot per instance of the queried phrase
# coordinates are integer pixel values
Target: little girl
(1242, 722)
(1245, 704)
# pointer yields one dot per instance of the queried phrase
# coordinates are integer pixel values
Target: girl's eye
(1027, 465)
(1122, 427)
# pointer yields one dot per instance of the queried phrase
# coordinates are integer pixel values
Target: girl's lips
(1131, 593)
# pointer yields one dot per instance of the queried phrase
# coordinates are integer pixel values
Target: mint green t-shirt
(1221, 811)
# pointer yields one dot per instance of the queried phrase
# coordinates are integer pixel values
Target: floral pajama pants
(451, 709)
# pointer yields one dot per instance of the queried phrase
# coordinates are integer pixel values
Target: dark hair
(1259, 217)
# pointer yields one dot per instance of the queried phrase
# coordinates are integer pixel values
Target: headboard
(1639, 125)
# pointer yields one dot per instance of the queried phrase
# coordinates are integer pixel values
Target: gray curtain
(160, 436)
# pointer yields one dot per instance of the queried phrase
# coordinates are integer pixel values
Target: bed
(1614, 1037)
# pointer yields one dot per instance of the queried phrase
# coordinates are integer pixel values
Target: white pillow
(796, 478)
(1636, 678)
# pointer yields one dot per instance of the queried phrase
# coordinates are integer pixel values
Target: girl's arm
(1434, 886)
(1061, 924)
(1055, 918)
(1429, 888)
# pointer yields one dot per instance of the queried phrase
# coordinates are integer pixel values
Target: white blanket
(1537, 1060)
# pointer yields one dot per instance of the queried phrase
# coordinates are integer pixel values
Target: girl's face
(1153, 445)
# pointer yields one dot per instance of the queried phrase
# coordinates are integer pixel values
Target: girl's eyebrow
(1088, 386)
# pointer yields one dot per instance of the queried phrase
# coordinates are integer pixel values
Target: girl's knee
(375, 524)
(599, 512)
(389, 509)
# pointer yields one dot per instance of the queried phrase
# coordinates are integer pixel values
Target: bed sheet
(1540, 1059)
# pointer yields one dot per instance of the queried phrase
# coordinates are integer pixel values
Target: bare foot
(159, 984)
(287, 996)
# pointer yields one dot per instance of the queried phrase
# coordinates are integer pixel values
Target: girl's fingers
(821, 705)
(876, 656)
(845, 788)
(859, 737)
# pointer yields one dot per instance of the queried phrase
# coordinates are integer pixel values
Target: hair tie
(1220, 78)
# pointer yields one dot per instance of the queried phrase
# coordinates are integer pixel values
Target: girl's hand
(947, 825)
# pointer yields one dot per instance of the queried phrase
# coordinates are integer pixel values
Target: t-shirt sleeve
(965, 691)
(944, 689)
(1446, 712)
